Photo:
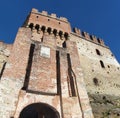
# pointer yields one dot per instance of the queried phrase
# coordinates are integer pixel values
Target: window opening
(102, 64)
(2, 69)
(98, 52)
(95, 81)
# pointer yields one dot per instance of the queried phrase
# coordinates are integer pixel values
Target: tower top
(52, 15)
(43, 19)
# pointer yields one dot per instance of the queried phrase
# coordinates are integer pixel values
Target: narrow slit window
(2, 70)
(95, 81)
(98, 52)
(102, 64)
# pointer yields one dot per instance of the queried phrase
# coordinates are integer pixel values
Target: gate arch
(39, 110)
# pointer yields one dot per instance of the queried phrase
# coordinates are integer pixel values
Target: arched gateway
(39, 110)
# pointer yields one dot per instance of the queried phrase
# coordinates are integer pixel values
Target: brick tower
(43, 77)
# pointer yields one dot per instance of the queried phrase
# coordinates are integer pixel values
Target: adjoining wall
(101, 75)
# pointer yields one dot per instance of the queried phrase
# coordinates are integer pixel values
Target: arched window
(102, 64)
(98, 52)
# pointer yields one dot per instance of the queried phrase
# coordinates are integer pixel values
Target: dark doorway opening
(39, 110)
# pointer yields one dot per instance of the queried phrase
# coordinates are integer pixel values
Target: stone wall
(5, 50)
(13, 76)
(102, 81)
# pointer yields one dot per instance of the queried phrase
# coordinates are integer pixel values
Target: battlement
(52, 15)
(89, 37)
(42, 20)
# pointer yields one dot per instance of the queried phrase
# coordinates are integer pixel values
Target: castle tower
(43, 77)
(52, 72)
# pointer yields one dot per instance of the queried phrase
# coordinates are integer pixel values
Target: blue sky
(97, 17)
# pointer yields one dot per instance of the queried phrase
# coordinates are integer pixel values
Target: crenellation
(63, 19)
(101, 41)
(53, 15)
(89, 37)
(34, 10)
(77, 31)
(94, 39)
(44, 13)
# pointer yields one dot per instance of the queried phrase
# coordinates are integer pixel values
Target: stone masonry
(51, 72)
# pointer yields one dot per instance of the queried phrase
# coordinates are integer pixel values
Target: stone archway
(39, 110)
